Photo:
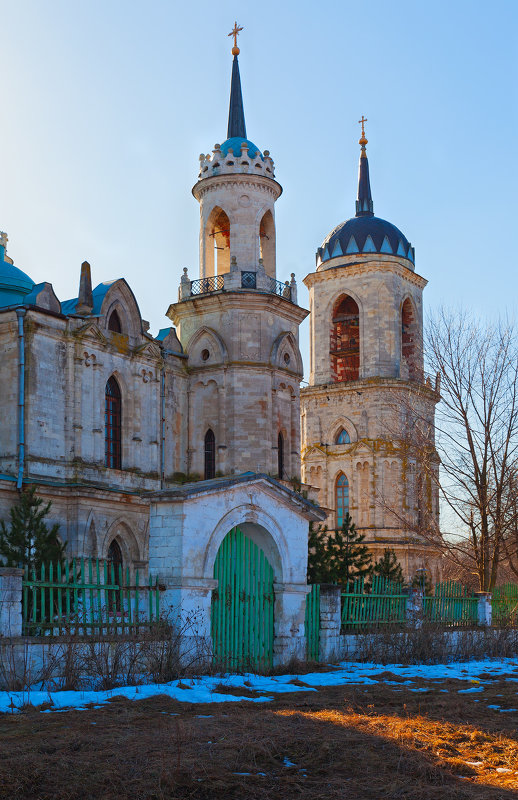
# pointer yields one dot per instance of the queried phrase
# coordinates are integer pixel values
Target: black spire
(364, 204)
(236, 114)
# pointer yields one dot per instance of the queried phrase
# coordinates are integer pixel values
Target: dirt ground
(348, 742)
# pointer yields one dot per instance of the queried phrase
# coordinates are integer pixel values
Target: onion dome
(15, 285)
(365, 233)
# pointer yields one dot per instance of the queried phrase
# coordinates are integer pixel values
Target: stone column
(330, 620)
(289, 614)
(11, 601)
(484, 608)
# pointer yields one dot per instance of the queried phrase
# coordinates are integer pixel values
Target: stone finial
(233, 263)
(3, 239)
(185, 285)
(85, 301)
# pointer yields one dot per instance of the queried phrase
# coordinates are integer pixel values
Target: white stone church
(153, 449)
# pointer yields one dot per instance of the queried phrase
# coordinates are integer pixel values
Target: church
(154, 450)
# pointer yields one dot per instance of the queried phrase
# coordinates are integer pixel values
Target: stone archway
(242, 608)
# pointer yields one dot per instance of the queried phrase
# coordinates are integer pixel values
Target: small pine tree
(389, 567)
(350, 558)
(337, 556)
(318, 554)
(28, 542)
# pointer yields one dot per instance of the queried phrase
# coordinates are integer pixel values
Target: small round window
(287, 358)
(205, 355)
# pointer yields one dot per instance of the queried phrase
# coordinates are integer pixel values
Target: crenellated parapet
(243, 159)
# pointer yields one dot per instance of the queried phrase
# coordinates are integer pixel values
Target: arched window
(217, 243)
(280, 456)
(114, 575)
(341, 499)
(343, 437)
(267, 243)
(114, 323)
(345, 340)
(112, 425)
(210, 455)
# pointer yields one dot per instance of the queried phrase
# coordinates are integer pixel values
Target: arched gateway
(242, 611)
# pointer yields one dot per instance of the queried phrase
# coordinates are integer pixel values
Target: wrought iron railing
(280, 288)
(206, 285)
(249, 280)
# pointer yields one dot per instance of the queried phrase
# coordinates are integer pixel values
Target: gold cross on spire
(236, 30)
(363, 139)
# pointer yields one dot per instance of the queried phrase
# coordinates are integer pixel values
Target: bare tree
(477, 434)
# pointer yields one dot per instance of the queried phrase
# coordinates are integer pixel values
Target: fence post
(11, 601)
(330, 620)
(484, 608)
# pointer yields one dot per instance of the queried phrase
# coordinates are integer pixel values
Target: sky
(106, 106)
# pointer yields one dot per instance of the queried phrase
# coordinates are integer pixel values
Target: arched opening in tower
(267, 243)
(345, 340)
(217, 243)
(409, 341)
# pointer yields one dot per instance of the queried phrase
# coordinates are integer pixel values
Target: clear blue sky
(106, 106)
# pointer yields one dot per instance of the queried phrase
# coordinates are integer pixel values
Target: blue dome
(365, 234)
(14, 284)
(235, 144)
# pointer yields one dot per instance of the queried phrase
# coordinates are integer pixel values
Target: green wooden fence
(86, 597)
(505, 604)
(371, 605)
(452, 605)
(242, 612)
(312, 623)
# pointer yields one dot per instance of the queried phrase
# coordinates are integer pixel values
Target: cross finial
(363, 139)
(235, 33)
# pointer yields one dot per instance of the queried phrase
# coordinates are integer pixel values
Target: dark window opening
(210, 455)
(280, 456)
(114, 323)
(114, 575)
(112, 423)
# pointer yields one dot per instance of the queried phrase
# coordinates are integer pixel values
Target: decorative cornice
(367, 265)
(233, 180)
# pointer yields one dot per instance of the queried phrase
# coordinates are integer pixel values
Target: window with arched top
(267, 243)
(114, 323)
(210, 455)
(341, 499)
(343, 437)
(344, 349)
(115, 567)
(280, 456)
(112, 424)
(217, 243)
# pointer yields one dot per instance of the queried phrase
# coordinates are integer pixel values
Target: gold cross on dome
(362, 122)
(235, 32)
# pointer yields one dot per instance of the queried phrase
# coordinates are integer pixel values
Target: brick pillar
(484, 608)
(330, 620)
(11, 601)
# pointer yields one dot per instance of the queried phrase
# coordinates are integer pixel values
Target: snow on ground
(205, 689)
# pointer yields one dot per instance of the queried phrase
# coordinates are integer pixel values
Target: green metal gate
(312, 623)
(242, 605)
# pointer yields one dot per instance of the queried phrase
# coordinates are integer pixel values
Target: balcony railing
(249, 280)
(207, 285)
(280, 288)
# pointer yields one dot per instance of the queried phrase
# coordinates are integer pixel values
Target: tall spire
(364, 204)
(236, 114)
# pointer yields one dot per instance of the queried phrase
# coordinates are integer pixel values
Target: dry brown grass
(354, 742)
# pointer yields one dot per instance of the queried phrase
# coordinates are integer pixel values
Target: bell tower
(366, 380)
(237, 323)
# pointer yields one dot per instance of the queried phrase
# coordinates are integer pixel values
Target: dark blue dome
(365, 234)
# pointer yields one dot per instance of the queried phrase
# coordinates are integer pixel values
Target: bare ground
(348, 742)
